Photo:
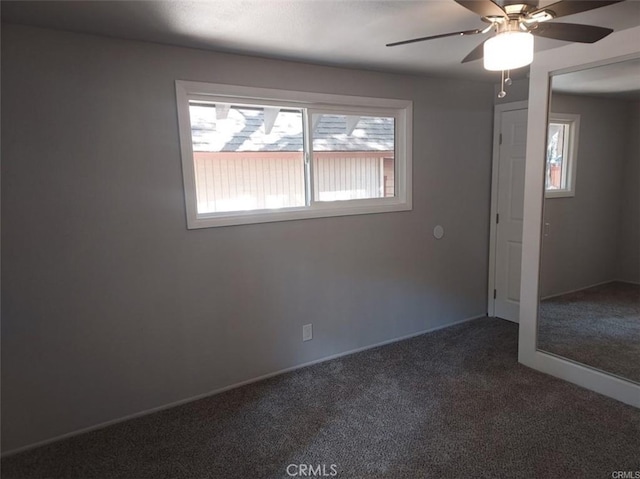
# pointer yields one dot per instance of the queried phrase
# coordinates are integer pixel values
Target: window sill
(319, 210)
(559, 194)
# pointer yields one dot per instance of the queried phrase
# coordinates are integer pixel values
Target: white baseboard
(555, 295)
(227, 388)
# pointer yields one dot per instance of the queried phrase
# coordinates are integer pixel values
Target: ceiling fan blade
(569, 7)
(433, 37)
(571, 32)
(476, 54)
(484, 8)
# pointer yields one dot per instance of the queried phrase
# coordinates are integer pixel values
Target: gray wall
(111, 306)
(517, 91)
(629, 232)
(584, 236)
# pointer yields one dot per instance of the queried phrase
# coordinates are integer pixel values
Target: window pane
(556, 177)
(247, 158)
(353, 157)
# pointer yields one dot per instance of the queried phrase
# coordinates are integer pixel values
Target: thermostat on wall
(438, 232)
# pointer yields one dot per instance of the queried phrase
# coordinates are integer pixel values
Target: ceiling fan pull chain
(508, 80)
(502, 93)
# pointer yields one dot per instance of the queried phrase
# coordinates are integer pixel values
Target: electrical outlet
(307, 332)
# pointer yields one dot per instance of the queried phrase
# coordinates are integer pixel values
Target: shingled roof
(244, 130)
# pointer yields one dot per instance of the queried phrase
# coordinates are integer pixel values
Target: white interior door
(509, 212)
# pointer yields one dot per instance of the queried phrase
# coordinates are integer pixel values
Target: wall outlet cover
(307, 332)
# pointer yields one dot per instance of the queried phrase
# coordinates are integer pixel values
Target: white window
(253, 155)
(562, 151)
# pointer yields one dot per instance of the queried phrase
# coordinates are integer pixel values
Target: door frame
(498, 110)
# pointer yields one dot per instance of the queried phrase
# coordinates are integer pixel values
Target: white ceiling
(350, 33)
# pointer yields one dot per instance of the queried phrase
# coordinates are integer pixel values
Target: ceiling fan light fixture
(508, 51)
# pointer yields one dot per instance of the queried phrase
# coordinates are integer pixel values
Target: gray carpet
(598, 326)
(450, 404)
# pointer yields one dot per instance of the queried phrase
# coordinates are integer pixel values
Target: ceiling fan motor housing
(518, 6)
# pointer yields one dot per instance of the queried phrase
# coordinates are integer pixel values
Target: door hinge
(497, 218)
(500, 141)
(495, 293)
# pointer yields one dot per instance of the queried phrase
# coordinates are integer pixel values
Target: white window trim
(571, 149)
(401, 110)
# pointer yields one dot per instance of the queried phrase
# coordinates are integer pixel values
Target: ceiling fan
(515, 23)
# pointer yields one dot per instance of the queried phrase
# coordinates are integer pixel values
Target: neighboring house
(252, 157)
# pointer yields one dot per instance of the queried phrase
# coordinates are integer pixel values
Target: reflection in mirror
(590, 263)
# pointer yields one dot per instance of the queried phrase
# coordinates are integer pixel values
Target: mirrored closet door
(589, 310)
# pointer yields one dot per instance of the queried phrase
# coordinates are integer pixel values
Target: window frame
(310, 103)
(570, 153)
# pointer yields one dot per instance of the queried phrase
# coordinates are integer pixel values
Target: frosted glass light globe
(508, 51)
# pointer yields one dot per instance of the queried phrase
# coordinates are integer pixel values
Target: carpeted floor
(450, 404)
(598, 326)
